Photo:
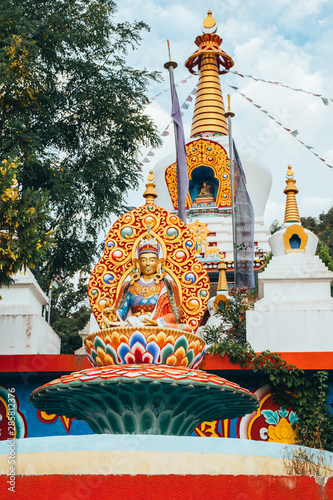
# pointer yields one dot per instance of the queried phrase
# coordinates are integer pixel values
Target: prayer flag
(182, 172)
(244, 226)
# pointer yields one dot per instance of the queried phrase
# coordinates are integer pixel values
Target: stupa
(148, 293)
(295, 310)
(208, 203)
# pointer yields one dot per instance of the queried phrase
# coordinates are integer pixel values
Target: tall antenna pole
(230, 115)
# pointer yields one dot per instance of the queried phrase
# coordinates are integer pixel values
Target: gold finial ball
(290, 173)
(151, 176)
(209, 22)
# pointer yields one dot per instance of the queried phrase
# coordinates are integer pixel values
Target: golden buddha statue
(149, 297)
(205, 194)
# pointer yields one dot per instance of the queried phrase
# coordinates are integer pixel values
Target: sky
(286, 41)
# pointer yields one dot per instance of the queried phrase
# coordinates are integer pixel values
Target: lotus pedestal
(144, 399)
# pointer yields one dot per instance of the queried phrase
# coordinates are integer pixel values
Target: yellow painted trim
(295, 229)
(216, 159)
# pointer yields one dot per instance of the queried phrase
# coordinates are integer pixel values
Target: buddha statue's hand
(150, 322)
(109, 316)
(117, 323)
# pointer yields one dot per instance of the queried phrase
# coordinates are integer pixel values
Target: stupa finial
(211, 61)
(209, 23)
(150, 193)
(291, 213)
(222, 283)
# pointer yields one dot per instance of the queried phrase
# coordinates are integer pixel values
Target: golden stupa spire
(222, 283)
(209, 110)
(291, 213)
(150, 193)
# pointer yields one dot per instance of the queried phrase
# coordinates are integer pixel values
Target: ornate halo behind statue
(177, 247)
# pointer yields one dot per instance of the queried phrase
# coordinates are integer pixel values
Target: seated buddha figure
(149, 298)
(205, 194)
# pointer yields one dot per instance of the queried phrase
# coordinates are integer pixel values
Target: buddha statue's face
(148, 264)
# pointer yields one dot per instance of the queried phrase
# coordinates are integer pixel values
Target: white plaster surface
(23, 330)
(137, 454)
(277, 245)
(295, 310)
(26, 334)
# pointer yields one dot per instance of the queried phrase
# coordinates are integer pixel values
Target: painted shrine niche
(209, 176)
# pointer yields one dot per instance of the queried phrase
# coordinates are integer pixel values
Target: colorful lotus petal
(98, 342)
(138, 350)
(137, 337)
(122, 350)
(166, 352)
(181, 342)
(154, 349)
(111, 351)
(190, 356)
(129, 358)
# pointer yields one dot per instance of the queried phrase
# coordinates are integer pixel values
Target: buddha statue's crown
(148, 244)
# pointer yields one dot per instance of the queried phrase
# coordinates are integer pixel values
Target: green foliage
(23, 219)
(233, 315)
(70, 312)
(304, 392)
(275, 226)
(323, 228)
(71, 111)
(324, 254)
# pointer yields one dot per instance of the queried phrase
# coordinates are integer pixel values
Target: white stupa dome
(258, 181)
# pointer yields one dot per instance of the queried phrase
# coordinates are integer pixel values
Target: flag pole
(230, 115)
(182, 172)
(170, 66)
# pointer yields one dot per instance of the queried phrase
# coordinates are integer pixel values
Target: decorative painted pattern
(12, 421)
(270, 422)
(47, 418)
(128, 345)
(203, 152)
(148, 372)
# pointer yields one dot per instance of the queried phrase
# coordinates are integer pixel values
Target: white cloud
(314, 205)
(274, 211)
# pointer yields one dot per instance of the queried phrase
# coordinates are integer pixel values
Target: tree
(70, 312)
(23, 217)
(275, 226)
(323, 228)
(71, 111)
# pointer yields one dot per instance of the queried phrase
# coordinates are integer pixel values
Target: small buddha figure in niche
(205, 193)
(149, 298)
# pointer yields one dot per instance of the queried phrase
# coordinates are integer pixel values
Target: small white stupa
(295, 310)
